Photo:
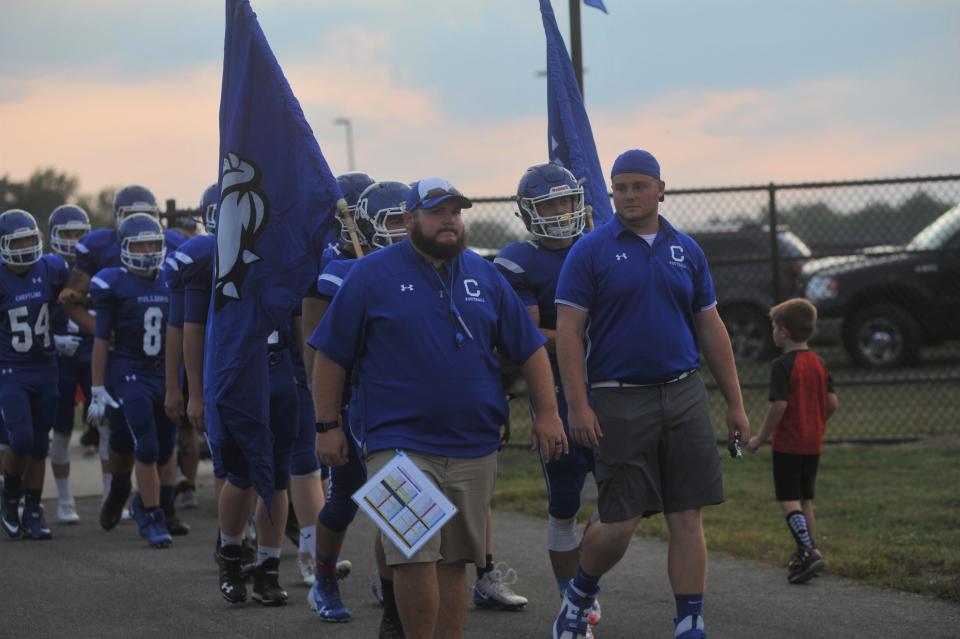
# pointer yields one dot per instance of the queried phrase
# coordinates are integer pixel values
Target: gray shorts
(658, 452)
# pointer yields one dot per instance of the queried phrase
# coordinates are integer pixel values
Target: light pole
(349, 127)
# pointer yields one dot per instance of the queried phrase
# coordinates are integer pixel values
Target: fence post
(774, 244)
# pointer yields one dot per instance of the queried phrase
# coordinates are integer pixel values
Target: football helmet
(208, 207)
(352, 184)
(17, 224)
(141, 228)
(67, 217)
(134, 199)
(543, 182)
(377, 204)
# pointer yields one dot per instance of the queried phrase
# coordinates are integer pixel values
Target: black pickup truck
(886, 302)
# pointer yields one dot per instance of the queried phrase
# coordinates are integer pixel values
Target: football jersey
(196, 274)
(134, 309)
(27, 301)
(63, 325)
(100, 249)
(533, 271)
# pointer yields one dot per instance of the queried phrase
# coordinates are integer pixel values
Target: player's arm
(313, 309)
(833, 403)
(715, 344)
(571, 325)
(172, 358)
(328, 380)
(547, 431)
(73, 299)
(774, 414)
(193, 343)
(98, 361)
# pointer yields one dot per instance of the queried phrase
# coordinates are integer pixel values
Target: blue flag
(569, 138)
(596, 4)
(277, 200)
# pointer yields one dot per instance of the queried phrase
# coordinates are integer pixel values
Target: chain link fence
(883, 258)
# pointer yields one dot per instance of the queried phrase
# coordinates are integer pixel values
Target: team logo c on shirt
(472, 287)
(676, 253)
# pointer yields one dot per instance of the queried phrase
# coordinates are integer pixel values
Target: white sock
(266, 552)
(230, 540)
(63, 490)
(308, 543)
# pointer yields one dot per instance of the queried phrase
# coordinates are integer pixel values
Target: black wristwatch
(323, 427)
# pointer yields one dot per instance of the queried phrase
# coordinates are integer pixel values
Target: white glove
(99, 401)
(66, 344)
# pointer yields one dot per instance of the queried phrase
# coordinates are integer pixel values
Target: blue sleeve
(88, 257)
(576, 286)
(171, 275)
(60, 270)
(197, 279)
(519, 337)
(339, 333)
(509, 264)
(331, 279)
(704, 294)
(101, 294)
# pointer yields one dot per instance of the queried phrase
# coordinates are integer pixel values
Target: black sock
(481, 571)
(32, 497)
(120, 481)
(12, 485)
(389, 601)
(797, 522)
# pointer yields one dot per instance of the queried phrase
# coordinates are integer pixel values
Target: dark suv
(739, 256)
(886, 302)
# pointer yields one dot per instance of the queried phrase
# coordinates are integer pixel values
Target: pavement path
(87, 582)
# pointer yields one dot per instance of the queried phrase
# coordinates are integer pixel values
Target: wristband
(323, 427)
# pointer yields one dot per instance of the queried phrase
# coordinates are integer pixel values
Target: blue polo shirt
(420, 387)
(641, 301)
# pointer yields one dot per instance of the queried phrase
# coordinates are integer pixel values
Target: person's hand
(505, 433)
(173, 404)
(66, 344)
(195, 412)
(754, 444)
(737, 422)
(99, 400)
(585, 427)
(547, 435)
(332, 447)
(69, 296)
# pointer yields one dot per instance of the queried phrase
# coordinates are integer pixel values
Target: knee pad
(60, 448)
(146, 450)
(104, 449)
(562, 534)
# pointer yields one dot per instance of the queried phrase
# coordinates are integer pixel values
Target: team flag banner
(596, 4)
(570, 139)
(277, 200)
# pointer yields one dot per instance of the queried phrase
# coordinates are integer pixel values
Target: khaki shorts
(468, 483)
(658, 452)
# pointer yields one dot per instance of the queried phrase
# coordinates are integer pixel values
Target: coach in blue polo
(638, 293)
(422, 323)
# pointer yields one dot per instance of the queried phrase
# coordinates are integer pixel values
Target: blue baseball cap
(428, 192)
(636, 161)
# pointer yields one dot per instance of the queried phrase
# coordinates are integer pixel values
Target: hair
(797, 316)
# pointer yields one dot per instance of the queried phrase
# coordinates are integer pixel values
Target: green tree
(43, 191)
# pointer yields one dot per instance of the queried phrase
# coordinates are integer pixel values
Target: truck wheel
(750, 333)
(882, 336)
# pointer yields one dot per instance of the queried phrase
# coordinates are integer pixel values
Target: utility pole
(349, 127)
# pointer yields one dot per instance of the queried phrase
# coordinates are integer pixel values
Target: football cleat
(67, 512)
(493, 589)
(154, 530)
(232, 586)
(324, 599)
(266, 584)
(573, 620)
(690, 627)
(10, 514)
(111, 512)
(32, 523)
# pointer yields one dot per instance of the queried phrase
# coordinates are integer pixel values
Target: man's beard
(435, 249)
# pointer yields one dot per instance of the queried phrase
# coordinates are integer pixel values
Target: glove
(99, 401)
(66, 344)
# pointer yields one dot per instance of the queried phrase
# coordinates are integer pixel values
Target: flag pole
(576, 45)
(351, 226)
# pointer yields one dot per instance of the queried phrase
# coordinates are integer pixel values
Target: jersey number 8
(22, 334)
(152, 327)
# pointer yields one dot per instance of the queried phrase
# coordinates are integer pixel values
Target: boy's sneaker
(809, 566)
(10, 514)
(67, 512)
(248, 558)
(690, 627)
(176, 527)
(324, 599)
(573, 620)
(232, 586)
(111, 511)
(305, 564)
(266, 584)
(33, 525)
(375, 586)
(493, 589)
(154, 530)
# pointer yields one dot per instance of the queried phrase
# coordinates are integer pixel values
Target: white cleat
(67, 512)
(306, 564)
(493, 589)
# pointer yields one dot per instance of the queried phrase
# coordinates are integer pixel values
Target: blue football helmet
(208, 207)
(377, 204)
(141, 228)
(69, 218)
(544, 182)
(17, 224)
(352, 184)
(134, 199)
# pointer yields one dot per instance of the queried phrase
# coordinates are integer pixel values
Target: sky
(723, 93)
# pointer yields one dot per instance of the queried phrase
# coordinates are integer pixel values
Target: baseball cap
(428, 192)
(636, 161)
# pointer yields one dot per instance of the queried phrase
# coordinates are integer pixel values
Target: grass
(888, 516)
